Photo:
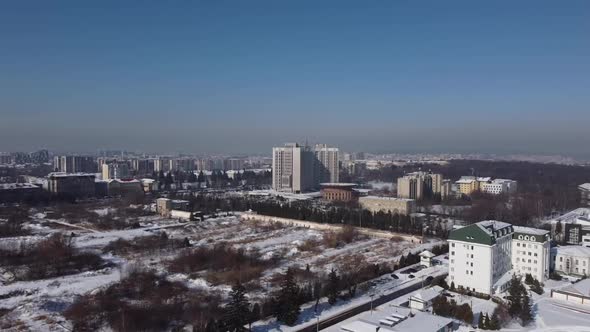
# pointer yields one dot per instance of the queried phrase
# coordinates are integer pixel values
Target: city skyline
(234, 78)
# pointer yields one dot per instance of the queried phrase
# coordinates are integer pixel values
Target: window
(453, 244)
(472, 272)
(561, 259)
(452, 261)
(452, 253)
(471, 264)
(466, 271)
(518, 244)
(576, 262)
(471, 256)
(471, 247)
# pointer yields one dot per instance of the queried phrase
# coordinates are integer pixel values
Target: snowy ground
(37, 305)
(382, 286)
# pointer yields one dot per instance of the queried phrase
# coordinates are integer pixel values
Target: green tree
(238, 309)
(525, 314)
(332, 289)
(287, 304)
(480, 321)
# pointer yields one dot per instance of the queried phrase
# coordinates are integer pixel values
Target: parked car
(411, 276)
(394, 276)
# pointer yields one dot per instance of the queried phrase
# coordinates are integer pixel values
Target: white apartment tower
(480, 256)
(299, 168)
(326, 168)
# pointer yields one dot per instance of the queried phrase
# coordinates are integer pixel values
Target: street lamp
(372, 296)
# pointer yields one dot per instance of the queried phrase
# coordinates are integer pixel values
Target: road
(329, 321)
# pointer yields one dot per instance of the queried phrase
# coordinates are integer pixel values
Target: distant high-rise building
(234, 164)
(142, 166)
(292, 167)
(5, 158)
(299, 168)
(326, 168)
(117, 170)
(74, 164)
(418, 185)
(161, 164)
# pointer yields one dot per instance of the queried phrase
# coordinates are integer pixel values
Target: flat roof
(14, 186)
(579, 251)
(530, 230)
(338, 184)
(389, 198)
(64, 174)
(585, 186)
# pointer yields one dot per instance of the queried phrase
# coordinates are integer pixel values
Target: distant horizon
(97, 152)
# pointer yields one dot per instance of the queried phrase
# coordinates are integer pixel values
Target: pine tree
(486, 322)
(494, 322)
(452, 288)
(332, 287)
(480, 321)
(514, 296)
(525, 314)
(238, 309)
(254, 315)
(287, 304)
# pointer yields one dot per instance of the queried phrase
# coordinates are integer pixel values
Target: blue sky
(242, 76)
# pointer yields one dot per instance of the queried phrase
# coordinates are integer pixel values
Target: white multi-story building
(326, 168)
(298, 168)
(531, 252)
(499, 186)
(480, 256)
(573, 260)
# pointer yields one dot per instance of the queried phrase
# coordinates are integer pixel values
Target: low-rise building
(499, 186)
(576, 293)
(117, 187)
(531, 252)
(17, 192)
(423, 299)
(393, 319)
(341, 192)
(426, 258)
(73, 184)
(572, 228)
(394, 205)
(571, 260)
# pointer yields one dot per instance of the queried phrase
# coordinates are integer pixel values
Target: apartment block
(480, 256)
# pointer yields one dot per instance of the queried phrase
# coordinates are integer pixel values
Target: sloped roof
(580, 288)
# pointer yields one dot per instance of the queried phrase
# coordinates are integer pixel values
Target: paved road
(327, 322)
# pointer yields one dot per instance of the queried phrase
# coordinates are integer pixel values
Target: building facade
(572, 227)
(299, 168)
(531, 252)
(571, 260)
(394, 205)
(74, 164)
(418, 185)
(480, 256)
(76, 185)
(339, 192)
(116, 170)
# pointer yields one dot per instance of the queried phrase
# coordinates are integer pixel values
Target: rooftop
(64, 174)
(579, 251)
(389, 198)
(585, 186)
(530, 230)
(493, 225)
(582, 287)
(14, 186)
(338, 184)
(428, 294)
(579, 214)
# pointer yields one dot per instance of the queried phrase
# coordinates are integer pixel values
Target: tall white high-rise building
(298, 168)
(326, 168)
(116, 170)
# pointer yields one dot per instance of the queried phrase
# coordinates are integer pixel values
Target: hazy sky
(242, 76)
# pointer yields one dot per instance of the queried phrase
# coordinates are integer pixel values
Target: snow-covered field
(37, 305)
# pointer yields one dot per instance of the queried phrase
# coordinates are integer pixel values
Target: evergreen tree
(238, 309)
(514, 296)
(480, 321)
(486, 322)
(254, 315)
(494, 322)
(452, 288)
(525, 314)
(332, 287)
(287, 304)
